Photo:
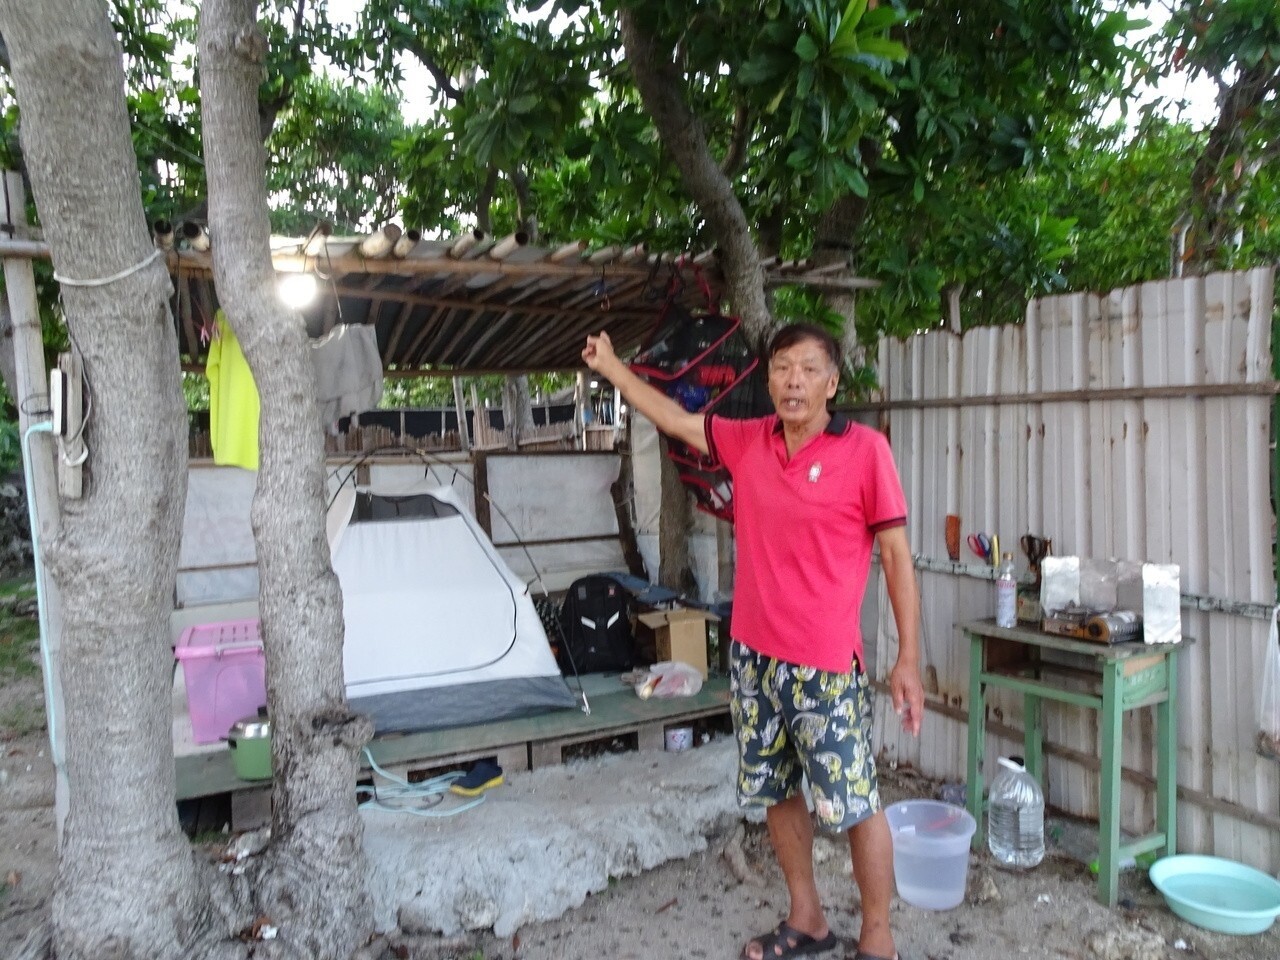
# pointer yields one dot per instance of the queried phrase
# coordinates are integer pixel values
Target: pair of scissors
(985, 548)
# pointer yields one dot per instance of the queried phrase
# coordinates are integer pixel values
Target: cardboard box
(679, 634)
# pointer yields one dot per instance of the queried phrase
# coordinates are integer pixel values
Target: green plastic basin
(1217, 894)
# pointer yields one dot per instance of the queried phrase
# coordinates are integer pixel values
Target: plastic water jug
(1015, 816)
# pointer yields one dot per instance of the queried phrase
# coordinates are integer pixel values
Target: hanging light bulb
(296, 290)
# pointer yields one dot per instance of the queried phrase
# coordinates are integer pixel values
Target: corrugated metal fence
(1135, 425)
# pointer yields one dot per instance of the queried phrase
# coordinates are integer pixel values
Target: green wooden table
(1131, 675)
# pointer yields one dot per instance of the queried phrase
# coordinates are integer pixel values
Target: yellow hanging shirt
(233, 402)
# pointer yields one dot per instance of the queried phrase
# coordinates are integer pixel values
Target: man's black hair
(794, 333)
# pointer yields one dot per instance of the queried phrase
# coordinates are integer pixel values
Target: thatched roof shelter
(473, 304)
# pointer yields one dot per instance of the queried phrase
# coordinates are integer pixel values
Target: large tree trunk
(833, 243)
(128, 884)
(661, 90)
(311, 880)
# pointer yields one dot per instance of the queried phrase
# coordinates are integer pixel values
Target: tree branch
(737, 152)
(443, 82)
(682, 134)
(524, 204)
(484, 202)
(1210, 196)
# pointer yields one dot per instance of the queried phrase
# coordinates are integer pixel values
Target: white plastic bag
(671, 678)
(1269, 711)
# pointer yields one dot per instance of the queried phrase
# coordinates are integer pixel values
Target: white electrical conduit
(46, 658)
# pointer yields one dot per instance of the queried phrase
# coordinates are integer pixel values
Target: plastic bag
(1269, 712)
(668, 679)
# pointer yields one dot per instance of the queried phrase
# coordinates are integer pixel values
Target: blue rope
(424, 791)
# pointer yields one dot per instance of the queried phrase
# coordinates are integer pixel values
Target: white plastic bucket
(930, 851)
(679, 738)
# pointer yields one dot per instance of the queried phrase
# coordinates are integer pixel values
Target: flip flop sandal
(863, 955)
(785, 941)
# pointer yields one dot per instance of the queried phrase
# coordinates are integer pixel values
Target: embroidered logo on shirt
(815, 472)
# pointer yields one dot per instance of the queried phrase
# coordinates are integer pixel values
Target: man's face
(802, 379)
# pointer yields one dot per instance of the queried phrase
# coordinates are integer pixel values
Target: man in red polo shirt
(812, 492)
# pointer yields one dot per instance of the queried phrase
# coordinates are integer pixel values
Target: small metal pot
(250, 743)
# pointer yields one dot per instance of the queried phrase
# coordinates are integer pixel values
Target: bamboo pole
(196, 235)
(605, 254)
(408, 240)
(465, 243)
(162, 231)
(31, 395)
(508, 245)
(460, 403)
(379, 243)
(318, 241)
(569, 251)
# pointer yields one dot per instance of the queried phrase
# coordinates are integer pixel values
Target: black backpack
(595, 627)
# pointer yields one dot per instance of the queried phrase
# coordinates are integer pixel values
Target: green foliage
(1235, 44)
(437, 391)
(964, 131)
(10, 446)
(332, 157)
(195, 390)
(1098, 218)
(19, 644)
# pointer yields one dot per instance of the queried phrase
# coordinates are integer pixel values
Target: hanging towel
(348, 371)
(233, 402)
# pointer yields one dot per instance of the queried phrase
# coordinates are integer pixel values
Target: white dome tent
(430, 607)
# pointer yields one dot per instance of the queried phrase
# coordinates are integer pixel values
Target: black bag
(596, 628)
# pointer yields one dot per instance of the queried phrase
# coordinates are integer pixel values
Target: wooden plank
(614, 713)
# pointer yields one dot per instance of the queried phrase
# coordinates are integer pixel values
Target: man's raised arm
(667, 415)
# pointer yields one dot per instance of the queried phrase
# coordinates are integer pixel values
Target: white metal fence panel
(1160, 458)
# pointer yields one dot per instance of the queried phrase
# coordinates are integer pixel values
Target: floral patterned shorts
(795, 722)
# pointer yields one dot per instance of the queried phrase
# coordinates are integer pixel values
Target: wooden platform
(524, 744)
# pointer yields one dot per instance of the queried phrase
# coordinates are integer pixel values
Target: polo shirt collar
(837, 426)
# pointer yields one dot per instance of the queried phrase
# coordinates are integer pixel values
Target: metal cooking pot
(250, 743)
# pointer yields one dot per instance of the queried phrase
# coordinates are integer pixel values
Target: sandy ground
(699, 907)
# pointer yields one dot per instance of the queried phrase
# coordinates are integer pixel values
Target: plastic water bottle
(1006, 594)
(1015, 816)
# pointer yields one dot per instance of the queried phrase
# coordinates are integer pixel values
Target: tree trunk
(660, 86)
(311, 880)
(1215, 190)
(833, 243)
(128, 884)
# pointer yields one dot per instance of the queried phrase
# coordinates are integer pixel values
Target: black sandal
(785, 941)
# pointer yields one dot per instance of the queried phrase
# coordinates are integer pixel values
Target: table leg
(977, 740)
(1109, 800)
(1167, 760)
(1033, 736)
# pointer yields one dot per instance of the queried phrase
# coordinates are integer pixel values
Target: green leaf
(806, 48)
(524, 103)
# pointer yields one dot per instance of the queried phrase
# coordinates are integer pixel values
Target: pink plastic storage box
(225, 673)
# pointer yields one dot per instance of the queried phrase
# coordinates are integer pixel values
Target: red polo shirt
(804, 529)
